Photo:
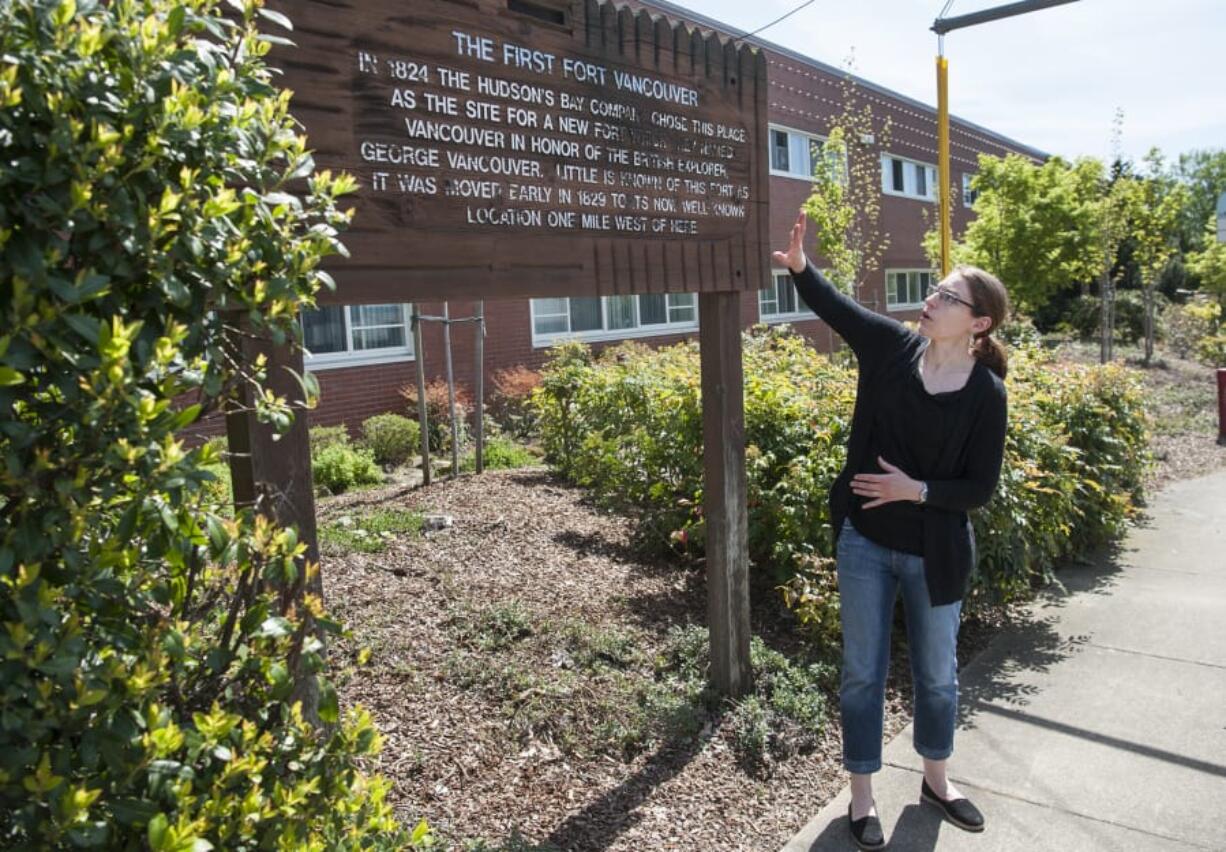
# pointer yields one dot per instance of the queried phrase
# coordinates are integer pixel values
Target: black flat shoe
(866, 831)
(958, 811)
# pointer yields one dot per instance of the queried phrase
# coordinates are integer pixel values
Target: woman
(926, 443)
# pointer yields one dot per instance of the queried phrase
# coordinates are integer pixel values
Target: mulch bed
(526, 536)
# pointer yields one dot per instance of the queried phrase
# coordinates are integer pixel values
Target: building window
(908, 178)
(968, 194)
(906, 289)
(613, 317)
(794, 153)
(349, 335)
(779, 300)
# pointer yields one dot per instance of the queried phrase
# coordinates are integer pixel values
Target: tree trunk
(1149, 323)
(1105, 320)
(274, 475)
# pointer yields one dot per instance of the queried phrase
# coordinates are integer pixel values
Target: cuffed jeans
(870, 577)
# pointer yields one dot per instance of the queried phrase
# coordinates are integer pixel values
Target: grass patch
(599, 690)
(369, 533)
(493, 629)
(501, 453)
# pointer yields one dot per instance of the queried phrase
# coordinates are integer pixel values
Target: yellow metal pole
(943, 186)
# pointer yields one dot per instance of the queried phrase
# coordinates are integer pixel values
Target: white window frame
(364, 357)
(907, 306)
(791, 131)
(909, 178)
(968, 194)
(669, 326)
(802, 311)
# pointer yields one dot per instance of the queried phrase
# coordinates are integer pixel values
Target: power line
(777, 20)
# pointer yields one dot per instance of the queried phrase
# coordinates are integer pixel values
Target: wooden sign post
(553, 148)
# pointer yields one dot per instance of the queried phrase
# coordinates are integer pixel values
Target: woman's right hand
(794, 257)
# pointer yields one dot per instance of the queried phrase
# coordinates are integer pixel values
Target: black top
(953, 441)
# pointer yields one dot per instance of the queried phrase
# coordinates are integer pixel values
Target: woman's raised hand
(794, 257)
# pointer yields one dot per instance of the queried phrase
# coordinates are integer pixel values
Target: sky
(1051, 79)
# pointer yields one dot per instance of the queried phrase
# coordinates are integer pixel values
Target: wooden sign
(508, 148)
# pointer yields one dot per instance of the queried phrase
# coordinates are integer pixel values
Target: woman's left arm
(985, 455)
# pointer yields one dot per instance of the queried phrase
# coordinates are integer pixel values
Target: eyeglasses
(951, 298)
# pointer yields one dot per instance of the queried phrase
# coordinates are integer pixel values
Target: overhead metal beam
(944, 25)
(941, 26)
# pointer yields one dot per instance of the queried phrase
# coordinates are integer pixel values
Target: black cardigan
(969, 467)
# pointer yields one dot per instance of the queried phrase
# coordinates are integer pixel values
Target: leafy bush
(156, 652)
(338, 468)
(323, 437)
(438, 413)
(1211, 349)
(1075, 455)
(511, 402)
(1190, 323)
(500, 453)
(628, 426)
(391, 438)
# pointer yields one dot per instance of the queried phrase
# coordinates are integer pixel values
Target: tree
(845, 203)
(1209, 265)
(1111, 212)
(154, 186)
(1032, 224)
(1204, 174)
(1155, 233)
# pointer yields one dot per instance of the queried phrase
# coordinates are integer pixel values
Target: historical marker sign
(508, 148)
(512, 148)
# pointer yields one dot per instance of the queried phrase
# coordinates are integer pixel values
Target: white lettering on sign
(401, 155)
(626, 155)
(457, 134)
(652, 88)
(506, 216)
(470, 188)
(493, 165)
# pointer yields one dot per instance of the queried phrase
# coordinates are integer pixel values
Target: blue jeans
(870, 577)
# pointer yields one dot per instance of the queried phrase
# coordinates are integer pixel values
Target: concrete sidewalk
(1101, 725)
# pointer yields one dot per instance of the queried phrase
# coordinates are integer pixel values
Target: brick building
(362, 355)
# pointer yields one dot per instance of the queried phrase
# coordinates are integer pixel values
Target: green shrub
(337, 468)
(323, 437)
(1211, 349)
(156, 654)
(750, 724)
(1187, 325)
(628, 426)
(392, 439)
(1075, 455)
(501, 453)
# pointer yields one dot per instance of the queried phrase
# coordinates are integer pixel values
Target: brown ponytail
(993, 355)
(991, 300)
